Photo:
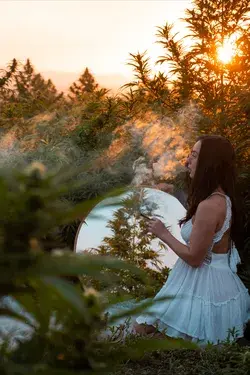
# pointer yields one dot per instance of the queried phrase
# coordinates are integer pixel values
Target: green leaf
(79, 264)
(82, 209)
(141, 346)
(27, 305)
(69, 293)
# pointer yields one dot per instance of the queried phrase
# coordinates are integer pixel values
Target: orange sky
(70, 35)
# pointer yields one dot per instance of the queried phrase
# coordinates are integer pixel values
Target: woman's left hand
(156, 227)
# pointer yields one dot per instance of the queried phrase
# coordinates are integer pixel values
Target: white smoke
(142, 173)
(165, 140)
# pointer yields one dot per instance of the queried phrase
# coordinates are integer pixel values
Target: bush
(57, 324)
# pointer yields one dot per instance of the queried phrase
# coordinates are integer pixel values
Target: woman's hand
(156, 227)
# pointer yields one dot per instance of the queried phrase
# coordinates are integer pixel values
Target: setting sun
(227, 49)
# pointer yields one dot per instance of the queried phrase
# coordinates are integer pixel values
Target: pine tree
(31, 93)
(44, 92)
(23, 81)
(86, 84)
(7, 75)
(6, 89)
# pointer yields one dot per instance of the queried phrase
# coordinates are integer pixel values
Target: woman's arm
(204, 228)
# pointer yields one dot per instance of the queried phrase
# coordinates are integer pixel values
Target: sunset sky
(67, 36)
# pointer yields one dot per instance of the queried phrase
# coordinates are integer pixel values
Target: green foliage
(195, 71)
(221, 90)
(7, 75)
(39, 213)
(85, 85)
(244, 246)
(100, 115)
(152, 92)
(32, 93)
(29, 95)
(92, 179)
(128, 242)
(201, 76)
(64, 321)
(180, 64)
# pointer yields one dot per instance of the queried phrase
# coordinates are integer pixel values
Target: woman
(209, 300)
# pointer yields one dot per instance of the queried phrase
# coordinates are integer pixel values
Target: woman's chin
(190, 174)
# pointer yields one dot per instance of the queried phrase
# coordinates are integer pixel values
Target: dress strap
(218, 236)
(233, 255)
(219, 193)
(226, 225)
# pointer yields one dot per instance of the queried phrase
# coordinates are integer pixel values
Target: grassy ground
(229, 359)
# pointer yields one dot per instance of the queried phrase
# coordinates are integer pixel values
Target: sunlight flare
(227, 50)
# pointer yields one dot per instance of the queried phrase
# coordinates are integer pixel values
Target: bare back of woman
(218, 203)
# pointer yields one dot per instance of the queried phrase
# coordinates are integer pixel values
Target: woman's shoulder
(207, 214)
(215, 205)
(207, 207)
(217, 199)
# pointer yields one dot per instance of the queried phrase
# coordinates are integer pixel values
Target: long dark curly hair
(216, 166)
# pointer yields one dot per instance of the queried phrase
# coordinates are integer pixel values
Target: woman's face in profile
(193, 159)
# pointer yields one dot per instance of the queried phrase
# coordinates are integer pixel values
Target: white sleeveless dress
(209, 302)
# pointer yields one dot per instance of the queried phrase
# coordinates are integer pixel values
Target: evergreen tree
(23, 82)
(25, 93)
(6, 89)
(7, 75)
(32, 93)
(86, 84)
(44, 92)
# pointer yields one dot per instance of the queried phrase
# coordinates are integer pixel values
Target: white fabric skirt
(210, 303)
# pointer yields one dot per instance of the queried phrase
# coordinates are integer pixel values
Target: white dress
(208, 301)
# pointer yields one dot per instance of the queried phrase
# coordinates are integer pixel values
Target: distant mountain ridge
(62, 80)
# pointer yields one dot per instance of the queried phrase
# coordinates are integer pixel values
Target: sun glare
(227, 50)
